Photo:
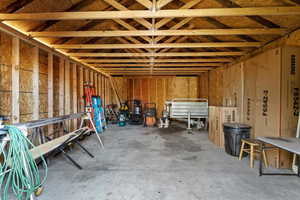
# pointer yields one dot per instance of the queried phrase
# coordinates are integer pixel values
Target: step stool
(254, 148)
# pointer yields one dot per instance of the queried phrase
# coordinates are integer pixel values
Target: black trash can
(233, 133)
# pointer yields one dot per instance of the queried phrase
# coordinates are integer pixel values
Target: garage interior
(91, 92)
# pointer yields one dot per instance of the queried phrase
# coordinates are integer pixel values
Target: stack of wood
(217, 117)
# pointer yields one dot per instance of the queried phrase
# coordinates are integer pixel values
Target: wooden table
(289, 144)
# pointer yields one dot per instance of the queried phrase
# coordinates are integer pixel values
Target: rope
(19, 171)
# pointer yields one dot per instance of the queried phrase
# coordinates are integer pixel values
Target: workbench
(289, 144)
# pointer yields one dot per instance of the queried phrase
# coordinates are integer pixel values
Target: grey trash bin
(233, 134)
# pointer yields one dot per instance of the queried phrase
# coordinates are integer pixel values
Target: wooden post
(81, 88)
(15, 80)
(50, 90)
(67, 98)
(67, 87)
(35, 84)
(61, 86)
(91, 75)
(74, 77)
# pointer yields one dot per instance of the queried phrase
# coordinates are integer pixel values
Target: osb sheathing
(5, 74)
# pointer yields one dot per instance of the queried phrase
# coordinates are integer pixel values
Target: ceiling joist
(162, 65)
(207, 12)
(157, 46)
(263, 31)
(199, 60)
(173, 54)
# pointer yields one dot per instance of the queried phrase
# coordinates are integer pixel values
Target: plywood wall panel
(290, 95)
(152, 90)
(25, 117)
(26, 81)
(43, 107)
(26, 106)
(26, 53)
(137, 89)
(5, 105)
(145, 90)
(203, 85)
(193, 87)
(5, 49)
(43, 83)
(160, 93)
(249, 106)
(5, 77)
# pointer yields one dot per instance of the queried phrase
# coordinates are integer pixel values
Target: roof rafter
(16, 5)
(258, 19)
(76, 7)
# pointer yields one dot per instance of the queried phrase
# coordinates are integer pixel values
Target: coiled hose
(19, 172)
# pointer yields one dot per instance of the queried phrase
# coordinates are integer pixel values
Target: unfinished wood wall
(203, 85)
(156, 89)
(216, 87)
(265, 89)
(35, 83)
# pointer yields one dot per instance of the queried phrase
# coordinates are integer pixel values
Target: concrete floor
(160, 164)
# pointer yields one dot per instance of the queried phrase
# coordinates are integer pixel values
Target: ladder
(93, 105)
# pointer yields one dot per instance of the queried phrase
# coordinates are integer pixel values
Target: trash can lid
(236, 125)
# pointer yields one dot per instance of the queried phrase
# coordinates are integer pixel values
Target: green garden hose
(19, 172)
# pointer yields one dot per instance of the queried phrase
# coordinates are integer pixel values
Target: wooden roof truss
(127, 37)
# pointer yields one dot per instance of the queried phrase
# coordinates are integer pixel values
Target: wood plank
(15, 76)
(173, 54)
(161, 45)
(221, 60)
(191, 32)
(35, 84)
(205, 12)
